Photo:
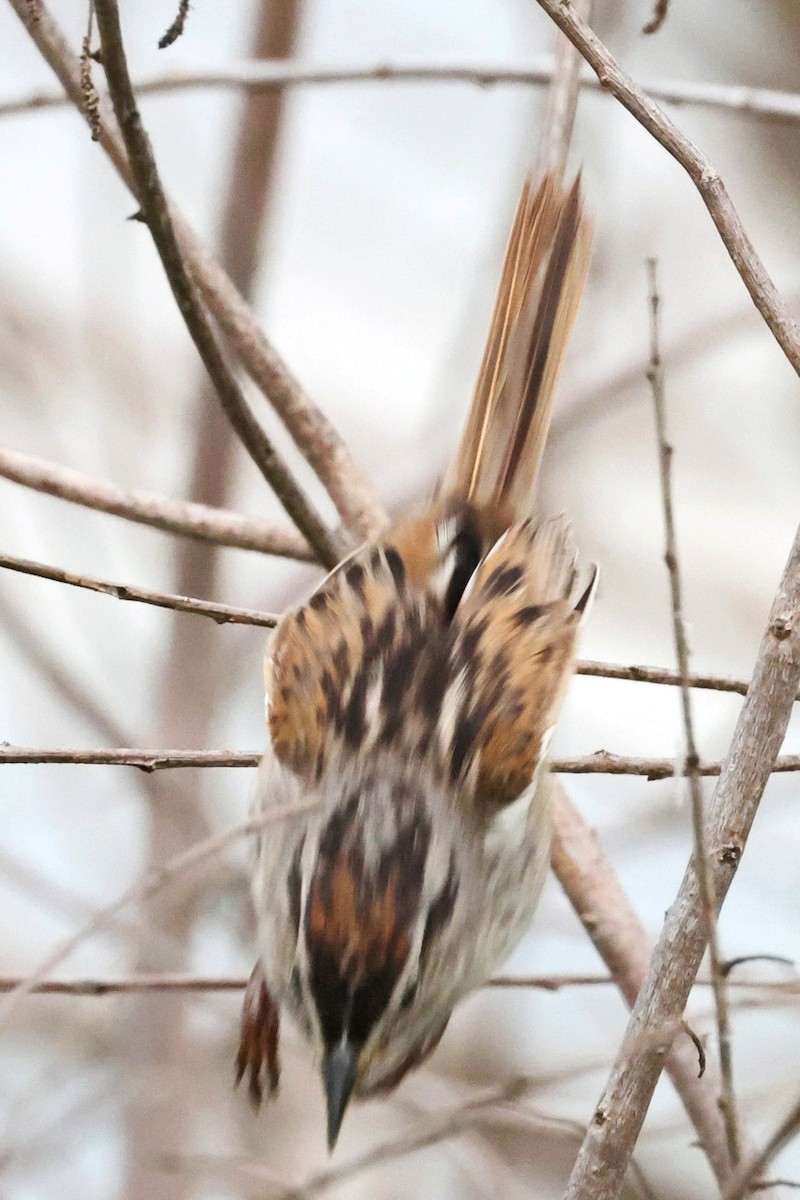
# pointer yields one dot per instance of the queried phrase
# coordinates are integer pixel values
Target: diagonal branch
(344, 479)
(171, 516)
(705, 178)
(156, 213)
(223, 614)
(757, 739)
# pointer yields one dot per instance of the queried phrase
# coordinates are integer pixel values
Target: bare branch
(171, 516)
(600, 763)
(223, 614)
(757, 739)
(156, 213)
(736, 99)
(605, 911)
(345, 480)
(705, 178)
(167, 982)
(655, 374)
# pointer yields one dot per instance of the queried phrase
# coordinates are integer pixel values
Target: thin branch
(747, 1179)
(655, 374)
(600, 763)
(171, 516)
(736, 99)
(345, 480)
(757, 739)
(156, 213)
(150, 882)
(593, 890)
(705, 178)
(223, 614)
(169, 982)
(176, 28)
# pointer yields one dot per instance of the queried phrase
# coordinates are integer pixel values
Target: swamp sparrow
(412, 697)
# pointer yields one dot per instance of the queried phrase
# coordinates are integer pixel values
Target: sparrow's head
(376, 895)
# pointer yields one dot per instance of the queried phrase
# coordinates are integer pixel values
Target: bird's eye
(408, 996)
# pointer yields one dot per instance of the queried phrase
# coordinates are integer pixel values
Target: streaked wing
(339, 670)
(514, 647)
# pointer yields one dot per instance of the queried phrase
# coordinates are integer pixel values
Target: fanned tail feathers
(540, 287)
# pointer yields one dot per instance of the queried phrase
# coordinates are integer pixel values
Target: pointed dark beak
(339, 1075)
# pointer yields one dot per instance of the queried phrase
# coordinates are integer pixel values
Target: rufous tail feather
(537, 299)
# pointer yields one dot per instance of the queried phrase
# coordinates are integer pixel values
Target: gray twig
(655, 374)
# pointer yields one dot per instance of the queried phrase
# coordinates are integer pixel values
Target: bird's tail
(540, 287)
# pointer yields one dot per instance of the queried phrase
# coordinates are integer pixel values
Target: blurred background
(367, 224)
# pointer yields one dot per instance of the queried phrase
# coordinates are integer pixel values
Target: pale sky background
(378, 270)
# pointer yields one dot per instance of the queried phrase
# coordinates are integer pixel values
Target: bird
(410, 701)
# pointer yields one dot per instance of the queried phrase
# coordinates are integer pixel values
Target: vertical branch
(655, 375)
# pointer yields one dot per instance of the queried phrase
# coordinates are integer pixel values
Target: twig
(658, 18)
(736, 99)
(746, 1179)
(223, 614)
(147, 885)
(705, 178)
(757, 739)
(176, 28)
(600, 763)
(154, 207)
(343, 477)
(655, 375)
(168, 982)
(609, 919)
(171, 516)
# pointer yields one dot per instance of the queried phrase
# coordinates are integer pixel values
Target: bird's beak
(339, 1076)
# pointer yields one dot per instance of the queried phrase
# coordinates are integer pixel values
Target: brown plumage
(414, 695)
